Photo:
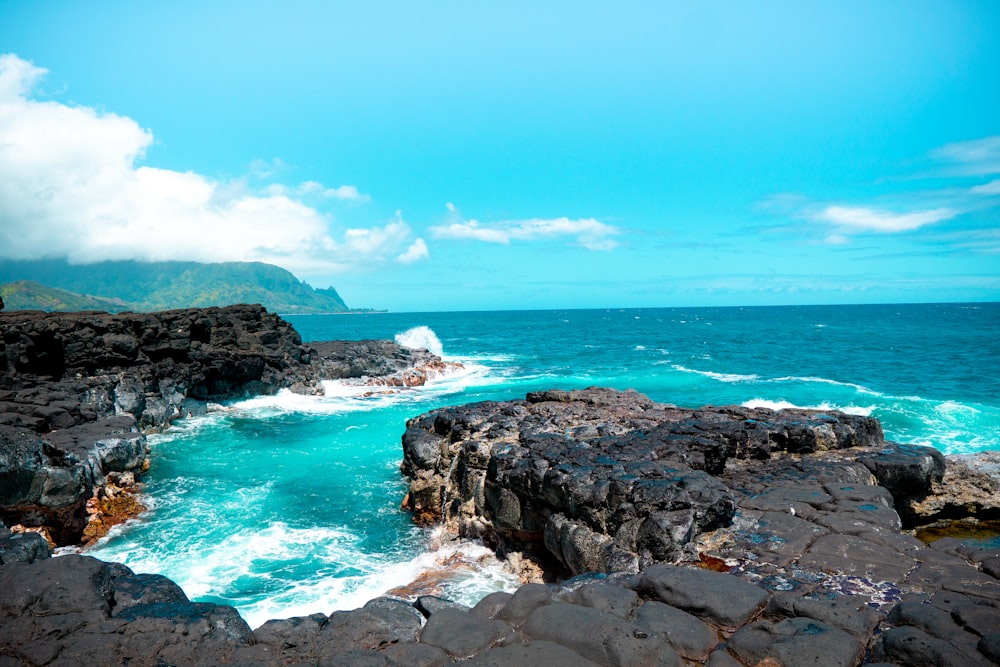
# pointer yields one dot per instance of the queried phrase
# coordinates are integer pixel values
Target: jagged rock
(78, 389)
(23, 547)
(378, 363)
(598, 479)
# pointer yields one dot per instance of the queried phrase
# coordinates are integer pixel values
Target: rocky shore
(78, 392)
(659, 535)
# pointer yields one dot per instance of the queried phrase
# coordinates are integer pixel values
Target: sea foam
(422, 337)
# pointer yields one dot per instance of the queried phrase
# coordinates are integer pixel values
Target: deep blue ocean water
(289, 505)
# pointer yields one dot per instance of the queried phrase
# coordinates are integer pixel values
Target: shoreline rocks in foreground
(78, 391)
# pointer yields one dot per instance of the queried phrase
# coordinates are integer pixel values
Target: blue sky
(449, 156)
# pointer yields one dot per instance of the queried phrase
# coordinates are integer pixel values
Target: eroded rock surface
(79, 390)
(609, 481)
(803, 507)
(75, 610)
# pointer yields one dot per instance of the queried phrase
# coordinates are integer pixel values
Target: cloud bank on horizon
(72, 186)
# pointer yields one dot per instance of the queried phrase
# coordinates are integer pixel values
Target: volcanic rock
(79, 390)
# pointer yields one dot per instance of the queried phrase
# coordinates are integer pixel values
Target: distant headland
(119, 286)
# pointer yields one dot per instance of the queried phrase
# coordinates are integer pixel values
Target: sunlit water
(289, 505)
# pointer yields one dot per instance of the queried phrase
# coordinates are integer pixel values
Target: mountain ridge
(116, 286)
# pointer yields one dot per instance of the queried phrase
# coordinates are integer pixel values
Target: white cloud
(868, 219)
(17, 77)
(836, 239)
(589, 232)
(987, 189)
(979, 156)
(72, 186)
(344, 192)
(416, 252)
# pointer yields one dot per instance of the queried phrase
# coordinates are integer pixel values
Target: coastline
(526, 622)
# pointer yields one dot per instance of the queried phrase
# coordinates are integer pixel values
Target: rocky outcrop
(77, 610)
(805, 506)
(79, 390)
(379, 363)
(603, 480)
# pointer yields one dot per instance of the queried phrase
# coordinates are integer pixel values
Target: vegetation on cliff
(55, 285)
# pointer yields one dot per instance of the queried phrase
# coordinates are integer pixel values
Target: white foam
(808, 378)
(458, 567)
(422, 337)
(721, 377)
(343, 396)
(786, 405)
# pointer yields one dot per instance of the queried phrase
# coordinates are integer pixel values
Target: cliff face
(78, 390)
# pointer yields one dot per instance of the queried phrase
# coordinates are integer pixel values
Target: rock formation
(76, 610)
(719, 536)
(78, 391)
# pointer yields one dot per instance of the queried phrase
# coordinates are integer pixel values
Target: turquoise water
(289, 505)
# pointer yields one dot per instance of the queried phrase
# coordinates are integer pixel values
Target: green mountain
(29, 295)
(145, 286)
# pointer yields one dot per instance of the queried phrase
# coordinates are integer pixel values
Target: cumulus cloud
(72, 186)
(872, 220)
(416, 252)
(588, 232)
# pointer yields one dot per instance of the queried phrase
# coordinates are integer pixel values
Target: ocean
(289, 505)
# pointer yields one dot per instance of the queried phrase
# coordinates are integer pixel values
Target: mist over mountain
(146, 286)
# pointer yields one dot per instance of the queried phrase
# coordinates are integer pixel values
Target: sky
(478, 156)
